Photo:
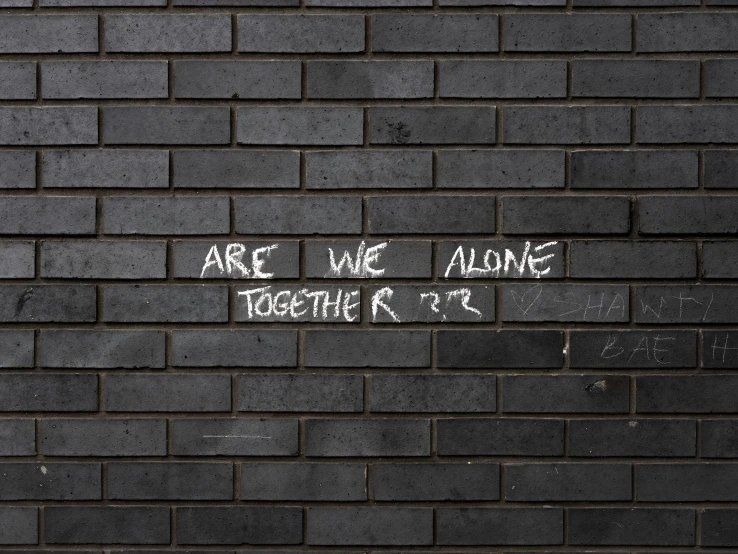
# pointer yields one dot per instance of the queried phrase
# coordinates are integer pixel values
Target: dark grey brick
(22, 126)
(431, 214)
(369, 525)
(17, 169)
(239, 525)
(694, 482)
(636, 3)
(432, 393)
(18, 525)
(719, 527)
(500, 259)
(500, 526)
(687, 124)
(687, 32)
(240, 348)
(17, 259)
(40, 34)
(501, 79)
(431, 304)
(634, 169)
(167, 33)
(257, 259)
(50, 481)
(17, 437)
(592, 215)
(118, 168)
(47, 215)
(297, 215)
(234, 437)
(719, 259)
(591, 393)
(298, 303)
(721, 167)
(362, 169)
(567, 482)
(720, 78)
(268, 3)
(684, 394)
(719, 348)
(670, 215)
(236, 79)
(719, 438)
(100, 3)
(541, 3)
(337, 482)
(166, 125)
(614, 259)
(165, 303)
(566, 124)
(300, 33)
(103, 437)
(106, 525)
(367, 437)
(48, 392)
(104, 259)
(501, 437)
(567, 33)
(147, 392)
(369, 3)
(162, 215)
(297, 392)
(47, 303)
(632, 437)
(686, 304)
(500, 169)
(375, 348)
(170, 481)
(432, 125)
(104, 79)
(90, 348)
(18, 80)
(291, 125)
(502, 348)
(632, 348)
(636, 78)
(369, 79)
(565, 303)
(355, 259)
(435, 481)
(631, 526)
(434, 33)
(16, 348)
(268, 169)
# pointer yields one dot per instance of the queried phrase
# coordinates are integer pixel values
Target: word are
(507, 265)
(232, 264)
(300, 304)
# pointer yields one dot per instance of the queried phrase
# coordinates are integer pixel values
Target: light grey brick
(101, 349)
(50, 481)
(103, 437)
(687, 32)
(17, 437)
(432, 393)
(298, 303)
(16, 348)
(17, 81)
(431, 304)
(104, 79)
(237, 79)
(235, 437)
(300, 126)
(105, 259)
(198, 259)
(269, 169)
(367, 259)
(634, 169)
(500, 169)
(239, 525)
(170, 481)
(545, 215)
(502, 79)
(567, 33)
(147, 392)
(432, 125)
(21, 126)
(166, 125)
(374, 348)
(106, 524)
(119, 168)
(436, 481)
(636, 78)
(565, 303)
(297, 215)
(47, 215)
(367, 437)
(48, 392)
(300, 393)
(721, 169)
(167, 33)
(166, 215)
(615, 259)
(17, 169)
(17, 260)
(566, 125)
(669, 215)
(47, 303)
(687, 124)
(431, 214)
(165, 303)
(370, 79)
(434, 33)
(18, 525)
(313, 482)
(301, 33)
(369, 525)
(213, 348)
(484, 259)
(52, 34)
(363, 169)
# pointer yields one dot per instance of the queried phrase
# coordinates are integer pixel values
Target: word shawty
(232, 264)
(299, 303)
(505, 264)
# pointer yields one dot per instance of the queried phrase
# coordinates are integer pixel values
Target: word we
(359, 266)
(234, 265)
(505, 265)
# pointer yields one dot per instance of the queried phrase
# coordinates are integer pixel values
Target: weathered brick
(290, 125)
(632, 348)
(500, 169)
(432, 393)
(145, 392)
(370, 79)
(434, 33)
(164, 303)
(632, 437)
(720, 78)
(104, 79)
(616, 259)
(170, 481)
(161, 215)
(566, 124)
(631, 526)
(502, 348)
(300, 33)
(18, 525)
(687, 124)
(47, 303)
(101, 349)
(16, 348)
(373, 259)
(103, 259)
(300, 393)
(103, 437)
(435, 481)
(567, 482)
(719, 259)
(297, 215)
(693, 482)
(267, 169)
(239, 525)
(167, 33)
(240, 79)
(369, 525)
(684, 394)
(432, 125)
(335, 482)
(240, 348)
(378, 348)
(106, 524)
(17, 169)
(17, 81)
(501, 79)
(500, 526)
(670, 215)
(367, 437)
(50, 481)
(500, 437)
(47, 215)
(41, 34)
(636, 78)
(166, 125)
(567, 33)
(687, 32)
(719, 438)
(21, 126)
(431, 304)
(565, 303)
(234, 437)
(48, 392)
(591, 215)
(118, 168)
(634, 169)
(431, 214)
(719, 527)
(591, 393)
(500, 259)
(721, 167)
(17, 437)
(686, 304)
